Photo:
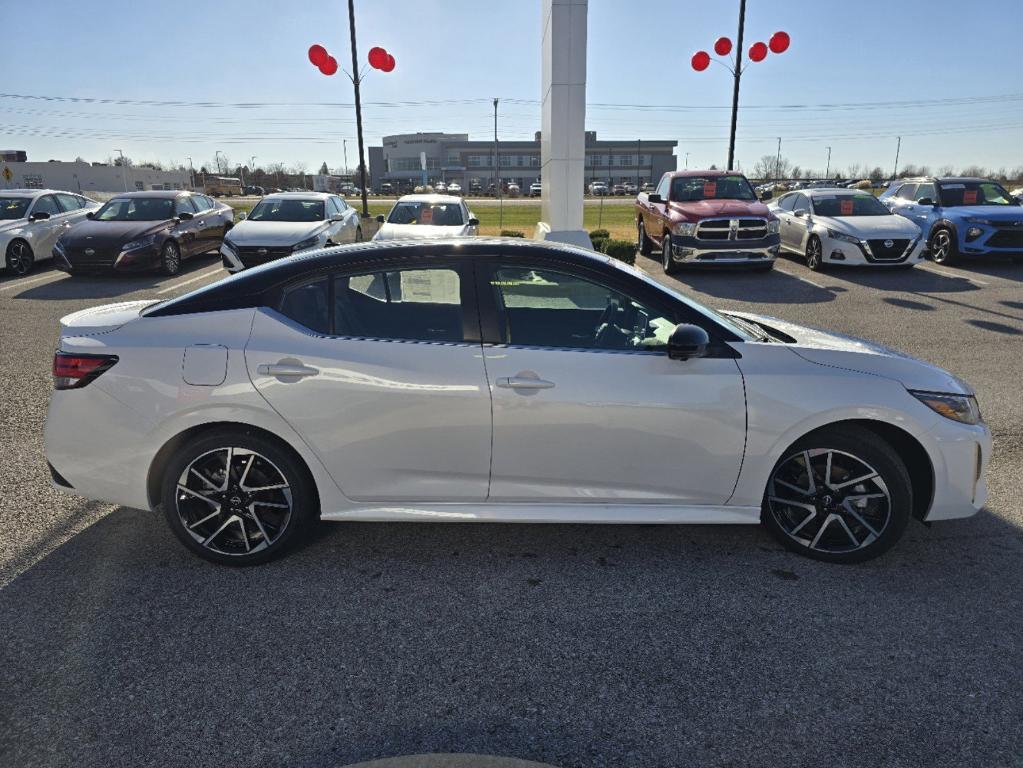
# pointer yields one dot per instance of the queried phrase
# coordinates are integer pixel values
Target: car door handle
(286, 369)
(524, 382)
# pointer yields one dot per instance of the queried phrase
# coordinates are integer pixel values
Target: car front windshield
(287, 210)
(136, 209)
(974, 193)
(430, 214)
(695, 188)
(13, 208)
(848, 205)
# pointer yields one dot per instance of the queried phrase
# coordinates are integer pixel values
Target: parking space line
(183, 283)
(800, 277)
(30, 281)
(950, 273)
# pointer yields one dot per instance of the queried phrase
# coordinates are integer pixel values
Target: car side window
(549, 308)
(400, 304)
(925, 190)
(786, 201)
(663, 187)
(183, 205)
(907, 192)
(341, 204)
(46, 204)
(307, 305)
(331, 207)
(201, 203)
(69, 202)
(801, 202)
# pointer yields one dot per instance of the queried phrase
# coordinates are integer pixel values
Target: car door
(904, 200)
(587, 405)
(187, 232)
(73, 209)
(380, 370)
(336, 229)
(920, 210)
(43, 233)
(783, 211)
(800, 225)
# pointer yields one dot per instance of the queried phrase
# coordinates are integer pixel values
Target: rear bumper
(691, 250)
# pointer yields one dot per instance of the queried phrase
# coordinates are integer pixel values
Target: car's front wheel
(237, 498)
(645, 246)
(814, 253)
(170, 258)
(840, 494)
(666, 261)
(20, 258)
(943, 247)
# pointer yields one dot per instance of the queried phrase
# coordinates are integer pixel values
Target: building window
(506, 161)
(454, 158)
(139, 186)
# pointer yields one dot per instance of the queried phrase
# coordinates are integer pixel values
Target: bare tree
(876, 173)
(947, 170)
(771, 167)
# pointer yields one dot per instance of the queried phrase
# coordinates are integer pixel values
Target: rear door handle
(296, 370)
(524, 382)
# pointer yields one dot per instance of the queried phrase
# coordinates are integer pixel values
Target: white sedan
(427, 216)
(287, 223)
(31, 221)
(838, 226)
(469, 380)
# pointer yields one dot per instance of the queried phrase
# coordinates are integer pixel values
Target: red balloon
(780, 42)
(701, 60)
(329, 67)
(723, 46)
(317, 55)
(377, 57)
(758, 52)
(388, 65)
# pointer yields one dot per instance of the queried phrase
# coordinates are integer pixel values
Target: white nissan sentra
(497, 380)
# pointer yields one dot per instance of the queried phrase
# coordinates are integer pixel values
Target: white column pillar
(563, 127)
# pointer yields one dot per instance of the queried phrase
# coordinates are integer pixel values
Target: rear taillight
(71, 371)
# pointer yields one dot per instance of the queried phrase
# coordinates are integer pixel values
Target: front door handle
(286, 370)
(524, 382)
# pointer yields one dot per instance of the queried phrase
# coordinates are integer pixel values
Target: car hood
(274, 232)
(709, 208)
(12, 225)
(100, 233)
(418, 231)
(102, 319)
(870, 227)
(837, 350)
(992, 212)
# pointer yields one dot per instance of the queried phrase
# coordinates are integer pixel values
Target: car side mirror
(925, 201)
(474, 222)
(654, 198)
(184, 216)
(337, 217)
(39, 216)
(800, 212)
(90, 215)
(380, 218)
(243, 216)
(687, 342)
(766, 196)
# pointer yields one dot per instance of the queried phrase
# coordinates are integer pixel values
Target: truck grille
(1007, 238)
(732, 229)
(254, 255)
(879, 252)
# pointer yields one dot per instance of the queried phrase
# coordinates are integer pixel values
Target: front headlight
(142, 242)
(773, 227)
(961, 408)
(311, 242)
(834, 234)
(685, 228)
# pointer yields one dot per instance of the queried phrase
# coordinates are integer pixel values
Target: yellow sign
(7, 173)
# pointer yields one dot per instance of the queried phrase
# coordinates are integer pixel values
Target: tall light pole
(497, 169)
(735, 87)
(895, 170)
(828, 169)
(687, 162)
(191, 173)
(639, 160)
(344, 144)
(216, 157)
(124, 169)
(356, 80)
(777, 162)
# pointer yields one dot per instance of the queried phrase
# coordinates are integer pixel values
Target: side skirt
(549, 513)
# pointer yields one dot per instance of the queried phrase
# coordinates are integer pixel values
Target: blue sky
(462, 53)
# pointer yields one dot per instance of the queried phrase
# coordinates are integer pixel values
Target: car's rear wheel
(645, 246)
(20, 258)
(666, 262)
(236, 498)
(943, 247)
(170, 258)
(814, 253)
(841, 495)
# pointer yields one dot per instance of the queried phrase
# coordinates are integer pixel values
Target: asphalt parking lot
(569, 645)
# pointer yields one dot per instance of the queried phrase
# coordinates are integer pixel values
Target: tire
(814, 254)
(943, 246)
(358, 234)
(821, 517)
(19, 259)
(170, 258)
(666, 262)
(645, 246)
(226, 521)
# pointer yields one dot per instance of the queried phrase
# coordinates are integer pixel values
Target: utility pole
(356, 79)
(124, 169)
(344, 144)
(687, 162)
(639, 160)
(777, 162)
(828, 169)
(895, 171)
(735, 88)
(191, 174)
(497, 168)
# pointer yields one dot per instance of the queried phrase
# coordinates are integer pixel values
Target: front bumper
(692, 250)
(992, 241)
(137, 260)
(960, 455)
(857, 254)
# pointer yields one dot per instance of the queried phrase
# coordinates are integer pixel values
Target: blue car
(960, 217)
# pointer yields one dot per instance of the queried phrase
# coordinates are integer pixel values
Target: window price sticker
(710, 189)
(969, 197)
(426, 215)
(847, 207)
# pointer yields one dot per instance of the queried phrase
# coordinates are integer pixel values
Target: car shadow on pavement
(1006, 269)
(914, 280)
(112, 285)
(380, 639)
(774, 287)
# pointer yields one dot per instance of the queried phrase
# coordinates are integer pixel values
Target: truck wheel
(645, 246)
(666, 262)
(943, 247)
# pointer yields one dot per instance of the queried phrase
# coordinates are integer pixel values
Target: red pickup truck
(706, 218)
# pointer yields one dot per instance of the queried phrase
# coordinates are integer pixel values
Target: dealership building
(453, 157)
(86, 177)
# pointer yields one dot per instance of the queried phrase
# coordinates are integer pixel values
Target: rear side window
(307, 305)
(406, 305)
(907, 192)
(786, 202)
(201, 203)
(183, 205)
(925, 190)
(70, 202)
(46, 204)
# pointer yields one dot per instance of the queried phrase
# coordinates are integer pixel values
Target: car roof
(714, 172)
(169, 194)
(299, 196)
(828, 191)
(238, 290)
(944, 179)
(34, 192)
(429, 198)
